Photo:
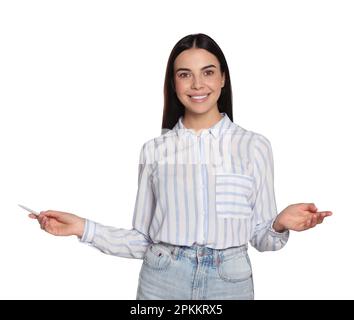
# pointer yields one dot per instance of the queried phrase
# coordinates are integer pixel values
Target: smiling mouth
(199, 98)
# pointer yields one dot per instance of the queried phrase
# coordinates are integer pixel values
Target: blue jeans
(173, 272)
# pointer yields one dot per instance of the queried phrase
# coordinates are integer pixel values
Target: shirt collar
(215, 130)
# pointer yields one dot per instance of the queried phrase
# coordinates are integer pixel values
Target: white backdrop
(79, 77)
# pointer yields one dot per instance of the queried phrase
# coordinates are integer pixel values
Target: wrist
(80, 227)
(278, 226)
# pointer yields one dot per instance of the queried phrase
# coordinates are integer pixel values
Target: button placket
(203, 189)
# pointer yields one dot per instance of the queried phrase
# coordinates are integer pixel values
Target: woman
(205, 190)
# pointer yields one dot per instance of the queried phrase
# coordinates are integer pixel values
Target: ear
(223, 80)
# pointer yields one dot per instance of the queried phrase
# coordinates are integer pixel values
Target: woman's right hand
(60, 223)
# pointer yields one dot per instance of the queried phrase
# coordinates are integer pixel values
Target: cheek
(180, 87)
(215, 84)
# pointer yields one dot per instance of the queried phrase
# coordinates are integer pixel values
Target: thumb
(51, 213)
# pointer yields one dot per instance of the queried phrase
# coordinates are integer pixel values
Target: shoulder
(261, 141)
(163, 138)
(149, 147)
(256, 144)
(261, 146)
(252, 136)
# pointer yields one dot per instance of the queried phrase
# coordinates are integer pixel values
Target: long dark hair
(173, 108)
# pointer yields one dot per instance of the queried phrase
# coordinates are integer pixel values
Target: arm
(122, 242)
(264, 236)
(110, 240)
(115, 241)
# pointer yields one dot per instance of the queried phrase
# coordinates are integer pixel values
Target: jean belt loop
(175, 252)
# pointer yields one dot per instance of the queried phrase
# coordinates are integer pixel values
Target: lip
(199, 95)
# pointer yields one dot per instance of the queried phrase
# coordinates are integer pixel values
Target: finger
(320, 219)
(313, 220)
(313, 208)
(41, 220)
(307, 224)
(310, 221)
(46, 224)
(325, 213)
(42, 215)
(52, 214)
(32, 216)
(309, 207)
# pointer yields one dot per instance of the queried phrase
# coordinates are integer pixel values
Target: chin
(198, 109)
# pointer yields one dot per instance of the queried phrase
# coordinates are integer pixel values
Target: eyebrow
(186, 69)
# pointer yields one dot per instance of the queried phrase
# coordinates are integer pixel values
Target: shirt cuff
(284, 234)
(89, 231)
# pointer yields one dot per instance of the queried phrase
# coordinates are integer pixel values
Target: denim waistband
(201, 251)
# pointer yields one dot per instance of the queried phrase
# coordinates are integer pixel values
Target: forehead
(195, 58)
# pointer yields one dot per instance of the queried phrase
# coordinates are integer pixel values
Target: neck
(198, 121)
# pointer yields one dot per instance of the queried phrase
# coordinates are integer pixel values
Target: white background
(77, 78)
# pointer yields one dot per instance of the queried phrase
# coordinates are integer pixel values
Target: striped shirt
(214, 189)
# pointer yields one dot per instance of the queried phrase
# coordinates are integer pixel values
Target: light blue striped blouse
(214, 189)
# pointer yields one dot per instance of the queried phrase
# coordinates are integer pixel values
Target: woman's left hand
(299, 217)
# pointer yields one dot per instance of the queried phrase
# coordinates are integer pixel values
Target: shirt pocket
(232, 195)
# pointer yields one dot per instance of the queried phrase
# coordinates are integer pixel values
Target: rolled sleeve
(89, 231)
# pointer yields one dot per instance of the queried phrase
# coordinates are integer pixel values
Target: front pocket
(232, 192)
(157, 258)
(236, 268)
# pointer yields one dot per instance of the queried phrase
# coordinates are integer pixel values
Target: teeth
(199, 97)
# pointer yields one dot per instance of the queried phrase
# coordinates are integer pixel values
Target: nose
(197, 82)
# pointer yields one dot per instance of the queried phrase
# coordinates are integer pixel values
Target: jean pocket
(235, 268)
(232, 193)
(157, 257)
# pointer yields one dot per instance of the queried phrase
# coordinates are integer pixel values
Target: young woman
(205, 190)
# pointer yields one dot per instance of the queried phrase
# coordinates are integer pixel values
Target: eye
(209, 72)
(183, 75)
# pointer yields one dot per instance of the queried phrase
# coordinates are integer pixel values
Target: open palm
(300, 217)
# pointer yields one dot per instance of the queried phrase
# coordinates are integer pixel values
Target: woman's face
(198, 80)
